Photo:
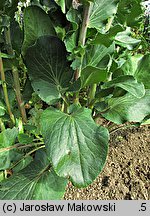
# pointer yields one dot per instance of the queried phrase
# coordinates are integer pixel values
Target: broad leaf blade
(37, 181)
(48, 68)
(36, 23)
(92, 75)
(76, 146)
(95, 54)
(129, 84)
(128, 108)
(143, 71)
(101, 11)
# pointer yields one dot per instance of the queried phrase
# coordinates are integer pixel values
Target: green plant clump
(63, 66)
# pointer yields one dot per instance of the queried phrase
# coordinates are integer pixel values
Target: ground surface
(127, 172)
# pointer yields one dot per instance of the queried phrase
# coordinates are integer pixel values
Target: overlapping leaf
(7, 139)
(129, 84)
(37, 181)
(128, 108)
(48, 68)
(101, 11)
(36, 23)
(76, 146)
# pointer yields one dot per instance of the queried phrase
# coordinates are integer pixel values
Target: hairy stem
(4, 86)
(15, 77)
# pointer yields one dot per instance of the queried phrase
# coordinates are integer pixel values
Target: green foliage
(82, 154)
(63, 64)
(36, 24)
(53, 74)
(38, 179)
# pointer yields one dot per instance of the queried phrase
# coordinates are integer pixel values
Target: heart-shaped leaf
(37, 181)
(76, 146)
(48, 68)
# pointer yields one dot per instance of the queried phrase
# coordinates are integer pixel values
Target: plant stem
(121, 127)
(29, 153)
(20, 146)
(15, 77)
(82, 38)
(2, 126)
(8, 41)
(5, 91)
(91, 95)
(83, 32)
(18, 94)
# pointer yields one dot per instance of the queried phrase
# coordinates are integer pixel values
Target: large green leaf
(107, 39)
(143, 71)
(76, 146)
(138, 66)
(127, 83)
(91, 75)
(128, 108)
(37, 181)
(129, 12)
(102, 10)
(7, 139)
(124, 39)
(131, 64)
(48, 67)
(95, 54)
(36, 23)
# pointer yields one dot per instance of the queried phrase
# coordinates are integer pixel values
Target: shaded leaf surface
(7, 139)
(36, 23)
(49, 70)
(36, 181)
(76, 146)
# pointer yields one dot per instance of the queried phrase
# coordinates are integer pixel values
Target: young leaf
(37, 181)
(36, 23)
(127, 83)
(125, 40)
(128, 108)
(48, 67)
(76, 146)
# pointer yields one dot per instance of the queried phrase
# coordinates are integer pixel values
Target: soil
(126, 175)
